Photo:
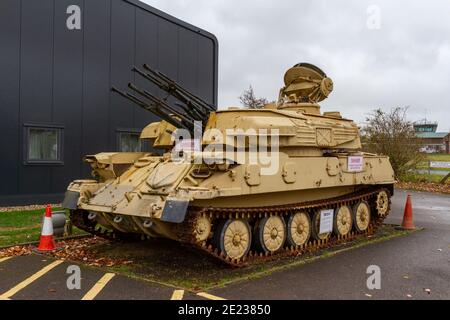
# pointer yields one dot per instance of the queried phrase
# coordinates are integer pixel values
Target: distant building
(431, 140)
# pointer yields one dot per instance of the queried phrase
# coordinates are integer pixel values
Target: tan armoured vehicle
(253, 184)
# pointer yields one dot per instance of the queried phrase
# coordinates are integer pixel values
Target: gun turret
(188, 109)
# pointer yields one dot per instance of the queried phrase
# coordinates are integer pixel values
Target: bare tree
(249, 100)
(391, 134)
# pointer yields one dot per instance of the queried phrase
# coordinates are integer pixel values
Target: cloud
(406, 62)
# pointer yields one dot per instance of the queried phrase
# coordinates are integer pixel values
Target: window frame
(121, 131)
(26, 145)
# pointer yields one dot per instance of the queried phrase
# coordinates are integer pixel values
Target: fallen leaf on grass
(424, 186)
(72, 250)
(16, 251)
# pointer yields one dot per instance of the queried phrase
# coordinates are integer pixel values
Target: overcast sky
(379, 53)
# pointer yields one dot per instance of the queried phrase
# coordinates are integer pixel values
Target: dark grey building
(58, 61)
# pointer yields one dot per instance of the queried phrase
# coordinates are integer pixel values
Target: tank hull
(157, 198)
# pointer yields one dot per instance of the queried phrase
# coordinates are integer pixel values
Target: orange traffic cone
(47, 242)
(408, 223)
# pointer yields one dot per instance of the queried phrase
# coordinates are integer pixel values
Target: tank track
(79, 219)
(187, 235)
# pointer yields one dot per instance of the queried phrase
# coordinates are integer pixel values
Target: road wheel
(343, 221)
(270, 234)
(233, 237)
(361, 216)
(316, 227)
(298, 229)
(382, 203)
(202, 228)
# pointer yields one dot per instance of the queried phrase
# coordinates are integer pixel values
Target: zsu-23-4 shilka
(316, 190)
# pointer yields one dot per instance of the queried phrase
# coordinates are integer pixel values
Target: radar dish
(307, 83)
(303, 70)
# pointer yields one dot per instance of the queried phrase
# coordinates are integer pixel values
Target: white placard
(188, 145)
(355, 164)
(326, 221)
(440, 164)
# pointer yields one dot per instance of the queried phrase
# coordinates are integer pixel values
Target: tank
(242, 185)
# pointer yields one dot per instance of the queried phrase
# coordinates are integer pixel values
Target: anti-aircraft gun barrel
(194, 112)
(179, 90)
(186, 120)
(187, 110)
(201, 108)
(155, 110)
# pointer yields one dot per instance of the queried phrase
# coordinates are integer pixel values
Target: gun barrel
(194, 110)
(188, 110)
(155, 110)
(162, 104)
(170, 82)
(173, 86)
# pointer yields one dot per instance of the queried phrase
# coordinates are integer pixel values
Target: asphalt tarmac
(412, 267)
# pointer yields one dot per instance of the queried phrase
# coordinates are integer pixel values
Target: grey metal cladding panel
(37, 60)
(36, 84)
(206, 70)
(30, 199)
(202, 34)
(9, 94)
(174, 20)
(188, 60)
(146, 52)
(96, 79)
(168, 52)
(168, 48)
(122, 59)
(67, 93)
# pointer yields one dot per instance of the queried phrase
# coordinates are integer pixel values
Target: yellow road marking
(4, 259)
(177, 295)
(30, 280)
(95, 290)
(209, 296)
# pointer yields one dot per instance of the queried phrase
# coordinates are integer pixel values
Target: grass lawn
(22, 226)
(435, 157)
(416, 177)
(439, 157)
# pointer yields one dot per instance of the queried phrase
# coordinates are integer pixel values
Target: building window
(130, 142)
(43, 144)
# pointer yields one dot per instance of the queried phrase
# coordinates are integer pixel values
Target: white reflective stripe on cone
(47, 229)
